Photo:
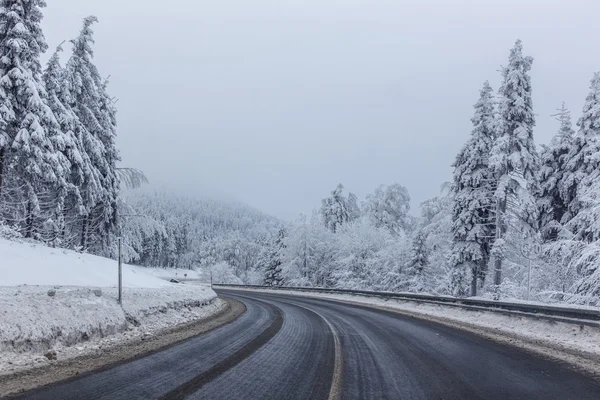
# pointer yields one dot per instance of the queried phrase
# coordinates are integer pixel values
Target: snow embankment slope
(66, 302)
(35, 264)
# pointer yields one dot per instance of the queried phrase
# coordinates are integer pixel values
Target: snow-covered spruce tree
(96, 111)
(81, 174)
(552, 201)
(583, 180)
(388, 207)
(353, 208)
(334, 209)
(513, 159)
(30, 167)
(270, 260)
(419, 261)
(297, 254)
(583, 157)
(107, 210)
(473, 189)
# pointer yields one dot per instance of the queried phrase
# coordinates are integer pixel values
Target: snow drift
(55, 298)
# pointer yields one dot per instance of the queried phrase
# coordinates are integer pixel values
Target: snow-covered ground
(35, 264)
(535, 334)
(65, 301)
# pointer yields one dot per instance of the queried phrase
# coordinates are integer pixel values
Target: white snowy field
(35, 264)
(64, 301)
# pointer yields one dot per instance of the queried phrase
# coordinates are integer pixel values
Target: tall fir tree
(29, 160)
(553, 203)
(271, 261)
(108, 209)
(95, 110)
(67, 122)
(473, 189)
(419, 253)
(514, 158)
(583, 184)
(583, 157)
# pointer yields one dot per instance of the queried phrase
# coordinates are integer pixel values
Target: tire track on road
(335, 390)
(198, 381)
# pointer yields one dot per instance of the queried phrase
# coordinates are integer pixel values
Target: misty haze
(299, 199)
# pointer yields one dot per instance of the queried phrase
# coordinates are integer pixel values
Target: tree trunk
(2, 152)
(29, 221)
(63, 227)
(84, 227)
(474, 274)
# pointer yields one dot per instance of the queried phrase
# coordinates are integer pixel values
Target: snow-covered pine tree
(353, 208)
(552, 201)
(81, 174)
(388, 207)
(31, 170)
(514, 158)
(271, 260)
(418, 262)
(297, 254)
(583, 158)
(579, 248)
(334, 209)
(473, 189)
(107, 209)
(96, 111)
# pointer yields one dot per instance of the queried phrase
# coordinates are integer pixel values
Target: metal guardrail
(581, 316)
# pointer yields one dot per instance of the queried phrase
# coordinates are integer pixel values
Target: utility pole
(120, 300)
(119, 255)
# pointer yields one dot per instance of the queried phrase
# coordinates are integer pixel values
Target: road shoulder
(570, 344)
(108, 357)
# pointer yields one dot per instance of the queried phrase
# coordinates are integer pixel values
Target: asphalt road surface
(287, 347)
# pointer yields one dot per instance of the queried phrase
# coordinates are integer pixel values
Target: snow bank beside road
(59, 300)
(31, 320)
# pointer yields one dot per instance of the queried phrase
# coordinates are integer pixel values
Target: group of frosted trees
(515, 221)
(509, 206)
(58, 177)
(352, 246)
(513, 204)
(166, 230)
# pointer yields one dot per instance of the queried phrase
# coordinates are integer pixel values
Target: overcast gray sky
(275, 102)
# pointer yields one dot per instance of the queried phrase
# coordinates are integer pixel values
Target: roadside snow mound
(55, 298)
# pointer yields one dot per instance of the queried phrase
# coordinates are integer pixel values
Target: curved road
(286, 347)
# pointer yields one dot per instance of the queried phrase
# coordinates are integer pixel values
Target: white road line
(335, 392)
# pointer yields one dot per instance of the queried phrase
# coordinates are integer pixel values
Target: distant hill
(161, 229)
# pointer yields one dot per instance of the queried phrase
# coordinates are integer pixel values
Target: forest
(517, 220)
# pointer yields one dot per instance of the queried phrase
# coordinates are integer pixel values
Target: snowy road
(287, 347)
